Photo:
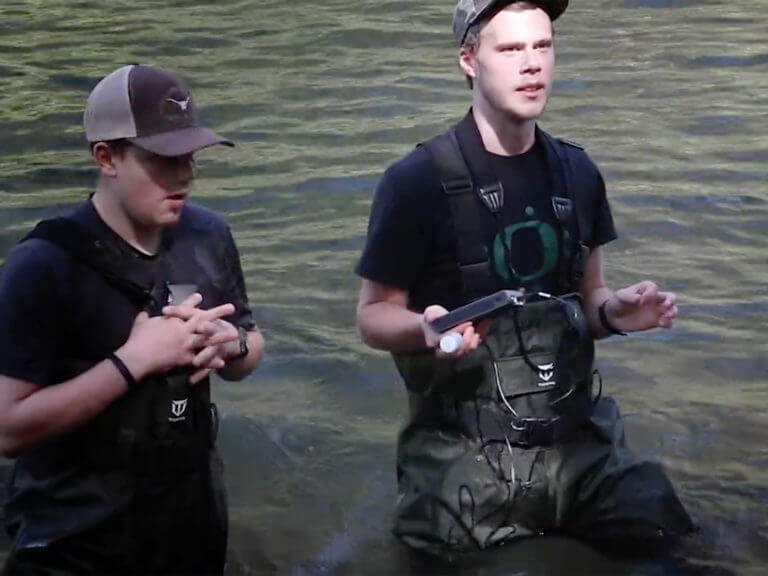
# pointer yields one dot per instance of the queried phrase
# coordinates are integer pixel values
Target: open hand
(641, 306)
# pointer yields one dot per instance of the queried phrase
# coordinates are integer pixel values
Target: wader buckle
(535, 431)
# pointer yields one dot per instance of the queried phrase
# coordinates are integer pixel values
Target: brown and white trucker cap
(149, 107)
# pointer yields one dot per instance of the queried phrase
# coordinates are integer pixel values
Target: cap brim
(180, 142)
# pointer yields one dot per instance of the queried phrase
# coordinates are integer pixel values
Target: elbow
(9, 448)
(366, 335)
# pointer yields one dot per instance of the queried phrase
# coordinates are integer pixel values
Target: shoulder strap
(563, 203)
(473, 261)
(456, 179)
(76, 240)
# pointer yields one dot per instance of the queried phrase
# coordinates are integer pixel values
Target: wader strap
(467, 213)
(73, 238)
(563, 204)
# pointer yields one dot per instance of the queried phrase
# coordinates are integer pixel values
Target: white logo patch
(178, 408)
(546, 372)
(182, 104)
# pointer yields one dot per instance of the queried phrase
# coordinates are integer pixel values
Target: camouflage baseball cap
(468, 12)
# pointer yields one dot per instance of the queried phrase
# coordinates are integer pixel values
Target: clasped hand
(216, 340)
(183, 336)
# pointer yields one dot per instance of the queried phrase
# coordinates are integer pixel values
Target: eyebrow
(544, 42)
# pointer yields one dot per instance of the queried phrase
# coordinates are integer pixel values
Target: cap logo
(182, 104)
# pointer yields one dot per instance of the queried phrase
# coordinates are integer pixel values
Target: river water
(668, 96)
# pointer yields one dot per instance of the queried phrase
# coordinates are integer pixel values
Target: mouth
(181, 196)
(532, 89)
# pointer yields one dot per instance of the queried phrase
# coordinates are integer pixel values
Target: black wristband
(123, 369)
(604, 321)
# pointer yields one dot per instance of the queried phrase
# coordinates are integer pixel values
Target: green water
(669, 97)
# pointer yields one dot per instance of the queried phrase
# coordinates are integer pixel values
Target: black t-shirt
(411, 242)
(54, 309)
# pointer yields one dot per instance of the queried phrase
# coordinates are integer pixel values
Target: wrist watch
(242, 337)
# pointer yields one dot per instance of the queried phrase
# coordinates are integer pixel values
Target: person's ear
(467, 62)
(104, 158)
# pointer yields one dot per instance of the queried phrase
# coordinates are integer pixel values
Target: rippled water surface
(668, 96)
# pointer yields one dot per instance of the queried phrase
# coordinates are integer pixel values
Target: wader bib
(498, 441)
(150, 486)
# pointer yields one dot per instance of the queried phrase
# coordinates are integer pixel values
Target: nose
(531, 61)
(187, 168)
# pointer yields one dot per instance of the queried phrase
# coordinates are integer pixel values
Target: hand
(641, 306)
(220, 339)
(471, 335)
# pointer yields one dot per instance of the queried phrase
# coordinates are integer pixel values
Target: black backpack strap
(572, 264)
(85, 249)
(456, 179)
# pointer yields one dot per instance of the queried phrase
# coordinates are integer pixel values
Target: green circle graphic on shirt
(549, 251)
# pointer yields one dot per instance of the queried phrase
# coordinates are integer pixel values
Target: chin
(524, 113)
(168, 219)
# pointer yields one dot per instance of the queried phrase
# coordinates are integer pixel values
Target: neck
(142, 238)
(501, 134)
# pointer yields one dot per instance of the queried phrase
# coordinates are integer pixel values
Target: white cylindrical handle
(451, 342)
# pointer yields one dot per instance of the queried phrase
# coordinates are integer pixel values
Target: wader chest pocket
(529, 392)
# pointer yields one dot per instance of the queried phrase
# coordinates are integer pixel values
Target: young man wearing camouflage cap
(507, 436)
(111, 320)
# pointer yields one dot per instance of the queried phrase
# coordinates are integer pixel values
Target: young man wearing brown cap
(507, 436)
(111, 320)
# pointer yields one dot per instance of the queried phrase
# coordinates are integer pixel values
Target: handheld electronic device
(478, 309)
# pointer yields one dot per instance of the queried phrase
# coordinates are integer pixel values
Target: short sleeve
(236, 291)
(595, 218)
(30, 306)
(603, 229)
(401, 223)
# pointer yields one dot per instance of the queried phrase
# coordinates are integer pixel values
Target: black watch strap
(242, 336)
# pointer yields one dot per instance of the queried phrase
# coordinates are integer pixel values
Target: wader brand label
(546, 374)
(178, 409)
(177, 293)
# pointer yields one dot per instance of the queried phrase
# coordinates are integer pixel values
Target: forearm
(593, 299)
(240, 368)
(388, 326)
(36, 414)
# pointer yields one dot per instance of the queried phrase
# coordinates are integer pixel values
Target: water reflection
(668, 96)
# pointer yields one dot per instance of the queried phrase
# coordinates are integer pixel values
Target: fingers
(208, 357)
(470, 340)
(192, 301)
(432, 313)
(186, 309)
(222, 338)
(199, 375)
(483, 327)
(189, 309)
(200, 321)
(216, 313)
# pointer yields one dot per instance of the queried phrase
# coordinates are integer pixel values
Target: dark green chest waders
(528, 385)
(158, 437)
